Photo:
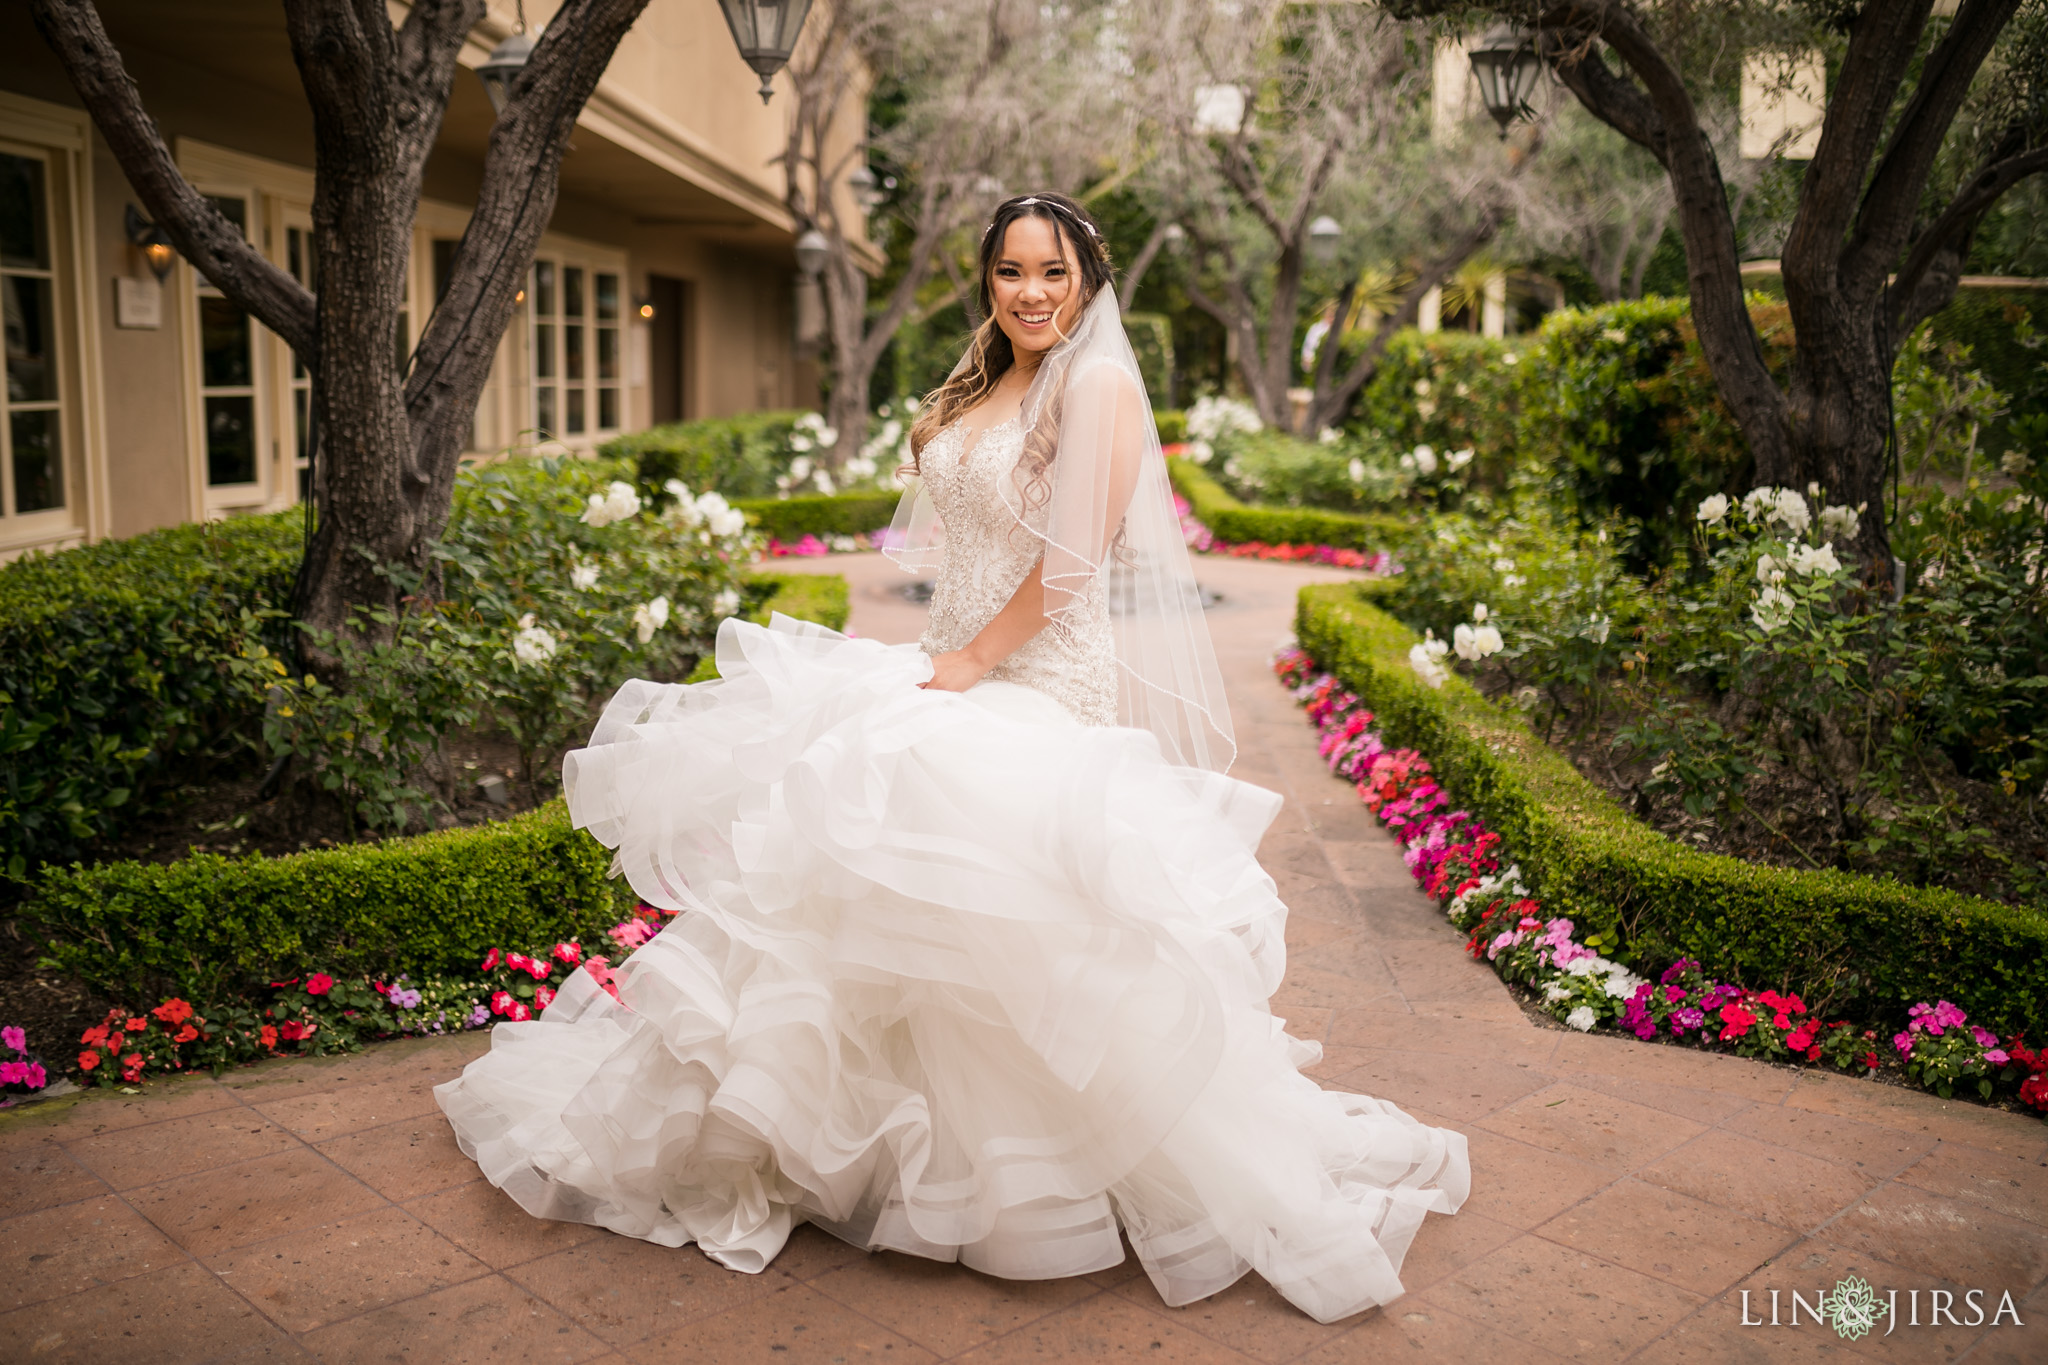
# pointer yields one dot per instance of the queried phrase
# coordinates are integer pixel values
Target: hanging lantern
(766, 31)
(502, 67)
(1507, 66)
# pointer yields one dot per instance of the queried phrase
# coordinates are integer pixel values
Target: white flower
(1773, 608)
(1511, 359)
(1813, 559)
(1581, 1019)
(2015, 462)
(1425, 459)
(649, 617)
(842, 544)
(1758, 503)
(1356, 469)
(1840, 523)
(1458, 459)
(1422, 388)
(1479, 611)
(1512, 580)
(726, 603)
(1792, 511)
(1769, 570)
(532, 646)
(583, 577)
(1200, 451)
(800, 468)
(1474, 643)
(1555, 992)
(1714, 508)
(859, 467)
(1615, 335)
(1329, 436)
(720, 516)
(1425, 407)
(1426, 659)
(616, 503)
(1597, 628)
(799, 442)
(828, 436)
(1813, 490)
(676, 488)
(824, 482)
(1214, 417)
(1503, 565)
(1463, 391)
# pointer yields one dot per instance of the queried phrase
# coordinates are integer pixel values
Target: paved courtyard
(1624, 1196)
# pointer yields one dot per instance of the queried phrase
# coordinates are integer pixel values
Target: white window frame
(565, 255)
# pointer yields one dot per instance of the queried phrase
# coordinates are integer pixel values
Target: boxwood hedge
(1233, 521)
(817, 514)
(1868, 945)
(424, 903)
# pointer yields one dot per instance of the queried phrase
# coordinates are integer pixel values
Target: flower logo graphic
(1853, 1308)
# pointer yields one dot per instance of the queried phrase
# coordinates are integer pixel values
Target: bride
(974, 947)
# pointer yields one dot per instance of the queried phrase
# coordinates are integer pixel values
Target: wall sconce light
(644, 306)
(151, 241)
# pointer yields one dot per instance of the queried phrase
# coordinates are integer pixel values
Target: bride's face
(1036, 296)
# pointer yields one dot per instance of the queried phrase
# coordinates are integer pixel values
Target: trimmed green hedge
(109, 668)
(1231, 520)
(839, 514)
(1878, 946)
(425, 903)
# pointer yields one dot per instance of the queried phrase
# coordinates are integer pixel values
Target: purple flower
(1686, 1018)
(404, 999)
(479, 1016)
(14, 1038)
(1675, 970)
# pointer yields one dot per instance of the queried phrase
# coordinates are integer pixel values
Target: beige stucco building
(663, 289)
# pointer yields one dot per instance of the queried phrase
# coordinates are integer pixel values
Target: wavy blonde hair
(989, 353)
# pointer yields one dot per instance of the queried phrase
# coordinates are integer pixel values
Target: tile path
(1624, 1195)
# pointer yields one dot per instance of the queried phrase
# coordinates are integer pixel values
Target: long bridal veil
(1091, 484)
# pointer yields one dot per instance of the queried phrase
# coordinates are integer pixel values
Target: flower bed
(1852, 944)
(323, 1012)
(1460, 863)
(1280, 532)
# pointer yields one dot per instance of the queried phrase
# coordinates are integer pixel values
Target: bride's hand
(954, 671)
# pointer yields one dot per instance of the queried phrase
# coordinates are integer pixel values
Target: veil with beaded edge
(1086, 409)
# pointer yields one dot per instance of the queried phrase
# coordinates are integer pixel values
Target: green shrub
(839, 514)
(1172, 424)
(428, 903)
(110, 668)
(1347, 474)
(1230, 520)
(1985, 321)
(423, 904)
(1860, 942)
(739, 456)
(1151, 337)
(1448, 391)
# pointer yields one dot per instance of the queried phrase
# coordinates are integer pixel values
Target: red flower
(88, 1060)
(501, 1002)
(1870, 1060)
(1802, 1037)
(173, 1011)
(280, 985)
(516, 961)
(96, 1035)
(520, 1012)
(137, 1025)
(268, 1036)
(293, 1031)
(491, 959)
(319, 983)
(132, 1060)
(543, 997)
(1813, 1053)
(1737, 1020)
(538, 968)
(569, 953)
(185, 1034)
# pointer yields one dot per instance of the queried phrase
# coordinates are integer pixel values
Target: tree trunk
(389, 443)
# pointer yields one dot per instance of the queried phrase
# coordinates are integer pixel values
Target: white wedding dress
(974, 976)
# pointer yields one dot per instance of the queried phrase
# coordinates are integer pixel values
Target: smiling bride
(974, 950)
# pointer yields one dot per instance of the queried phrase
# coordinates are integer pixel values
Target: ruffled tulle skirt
(956, 976)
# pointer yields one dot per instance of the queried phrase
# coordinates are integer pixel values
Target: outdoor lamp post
(766, 32)
(1506, 64)
(1323, 235)
(866, 189)
(503, 66)
(811, 251)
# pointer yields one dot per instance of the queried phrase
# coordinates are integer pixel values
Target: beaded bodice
(987, 555)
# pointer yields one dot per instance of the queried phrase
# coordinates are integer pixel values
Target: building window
(32, 471)
(227, 373)
(576, 360)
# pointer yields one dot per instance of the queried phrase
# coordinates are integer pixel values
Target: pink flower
(501, 1002)
(538, 968)
(568, 953)
(544, 997)
(629, 934)
(1904, 1043)
(491, 959)
(1984, 1036)
(319, 983)
(14, 1038)
(1996, 1056)
(520, 1012)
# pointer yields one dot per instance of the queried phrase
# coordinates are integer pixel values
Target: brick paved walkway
(1623, 1194)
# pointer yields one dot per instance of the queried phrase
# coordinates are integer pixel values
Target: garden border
(1234, 521)
(420, 903)
(1883, 944)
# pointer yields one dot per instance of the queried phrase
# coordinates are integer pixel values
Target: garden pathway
(1624, 1195)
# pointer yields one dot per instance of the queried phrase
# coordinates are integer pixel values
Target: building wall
(671, 174)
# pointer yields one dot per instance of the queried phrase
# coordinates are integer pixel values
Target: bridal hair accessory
(1090, 484)
(1057, 207)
